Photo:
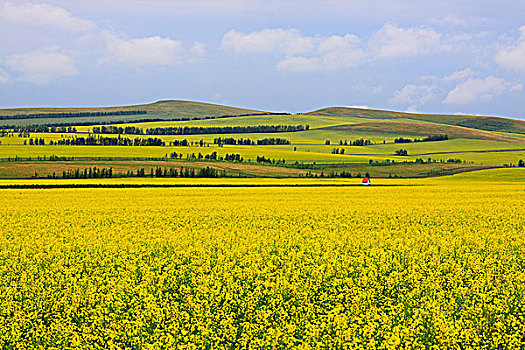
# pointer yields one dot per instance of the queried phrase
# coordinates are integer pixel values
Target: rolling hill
(338, 140)
(497, 124)
(397, 128)
(161, 110)
(178, 109)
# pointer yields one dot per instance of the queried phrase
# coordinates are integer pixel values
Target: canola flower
(413, 267)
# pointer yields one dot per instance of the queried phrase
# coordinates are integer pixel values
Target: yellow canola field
(426, 266)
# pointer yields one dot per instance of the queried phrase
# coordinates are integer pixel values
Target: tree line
(99, 141)
(359, 142)
(195, 130)
(173, 172)
(26, 129)
(87, 173)
(69, 115)
(270, 161)
(248, 142)
(234, 157)
(185, 143)
(99, 173)
(144, 120)
(426, 139)
(343, 174)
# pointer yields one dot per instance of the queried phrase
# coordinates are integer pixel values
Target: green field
(473, 143)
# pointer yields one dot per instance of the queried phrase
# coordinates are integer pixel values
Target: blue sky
(446, 56)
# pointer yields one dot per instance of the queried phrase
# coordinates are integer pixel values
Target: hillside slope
(171, 109)
(476, 122)
(397, 128)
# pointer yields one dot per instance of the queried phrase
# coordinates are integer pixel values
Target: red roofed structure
(366, 181)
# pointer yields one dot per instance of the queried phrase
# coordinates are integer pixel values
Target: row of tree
(233, 141)
(98, 173)
(185, 142)
(35, 141)
(429, 160)
(26, 129)
(99, 141)
(343, 174)
(114, 141)
(195, 130)
(141, 120)
(87, 173)
(69, 115)
(270, 160)
(234, 157)
(359, 142)
(182, 172)
(110, 129)
(248, 142)
(426, 139)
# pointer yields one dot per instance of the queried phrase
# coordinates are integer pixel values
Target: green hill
(397, 128)
(191, 109)
(476, 122)
(338, 140)
(165, 110)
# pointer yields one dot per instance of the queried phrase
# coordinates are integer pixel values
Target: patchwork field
(330, 142)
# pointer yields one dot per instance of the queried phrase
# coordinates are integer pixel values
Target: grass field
(120, 168)
(476, 141)
(437, 262)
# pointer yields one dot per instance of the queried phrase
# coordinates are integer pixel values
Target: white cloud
(460, 87)
(513, 56)
(332, 53)
(198, 49)
(341, 52)
(285, 41)
(460, 75)
(414, 95)
(302, 53)
(144, 51)
(337, 43)
(299, 64)
(475, 90)
(392, 41)
(44, 15)
(42, 66)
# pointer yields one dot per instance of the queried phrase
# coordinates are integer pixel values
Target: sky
(447, 56)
